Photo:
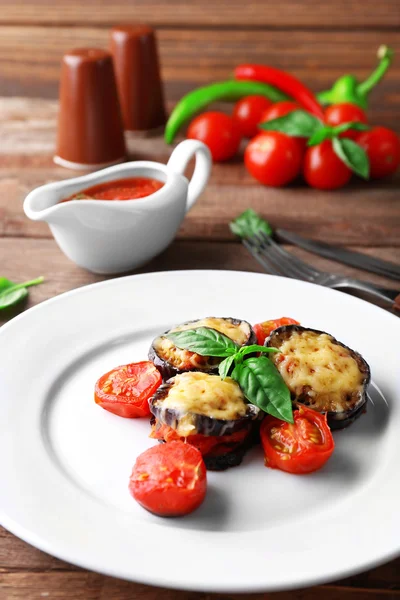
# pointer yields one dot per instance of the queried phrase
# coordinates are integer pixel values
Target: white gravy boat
(116, 236)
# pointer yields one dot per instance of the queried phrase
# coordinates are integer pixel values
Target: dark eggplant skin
(336, 420)
(167, 370)
(203, 424)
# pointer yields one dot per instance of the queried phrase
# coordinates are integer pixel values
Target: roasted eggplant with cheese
(321, 373)
(207, 412)
(171, 361)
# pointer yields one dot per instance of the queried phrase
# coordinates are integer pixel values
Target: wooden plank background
(199, 42)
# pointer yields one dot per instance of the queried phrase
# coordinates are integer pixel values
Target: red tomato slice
(125, 390)
(302, 447)
(169, 480)
(263, 330)
(213, 445)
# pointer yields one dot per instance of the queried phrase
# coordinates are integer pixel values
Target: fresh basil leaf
(352, 155)
(204, 341)
(327, 132)
(256, 348)
(298, 123)
(249, 223)
(12, 293)
(354, 125)
(319, 136)
(225, 366)
(236, 373)
(264, 387)
(10, 297)
(5, 283)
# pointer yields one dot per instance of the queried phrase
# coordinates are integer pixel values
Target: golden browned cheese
(183, 359)
(312, 364)
(203, 394)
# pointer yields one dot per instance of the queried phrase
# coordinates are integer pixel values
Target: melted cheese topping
(208, 395)
(313, 365)
(184, 359)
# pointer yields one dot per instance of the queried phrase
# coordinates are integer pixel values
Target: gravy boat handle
(179, 160)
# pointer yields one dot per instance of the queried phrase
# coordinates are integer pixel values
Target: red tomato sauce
(131, 188)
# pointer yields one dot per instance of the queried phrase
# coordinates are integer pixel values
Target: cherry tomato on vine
(125, 390)
(281, 109)
(324, 170)
(247, 114)
(264, 329)
(169, 480)
(273, 158)
(218, 131)
(382, 146)
(301, 447)
(345, 112)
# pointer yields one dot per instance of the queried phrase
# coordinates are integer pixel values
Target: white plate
(66, 462)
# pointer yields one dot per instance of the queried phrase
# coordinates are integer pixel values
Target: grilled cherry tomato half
(125, 390)
(273, 158)
(345, 112)
(382, 146)
(301, 447)
(264, 329)
(208, 445)
(218, 131)
(324, 170)
(248, 112)
(169, 480)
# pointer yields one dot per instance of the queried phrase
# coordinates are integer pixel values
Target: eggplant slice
(321, 373)
(171, 361)
(200, 403)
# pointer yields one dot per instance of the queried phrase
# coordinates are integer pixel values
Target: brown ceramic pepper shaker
(90, 128)
(134, 50)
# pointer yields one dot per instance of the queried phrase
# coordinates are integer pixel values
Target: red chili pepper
(284, 82)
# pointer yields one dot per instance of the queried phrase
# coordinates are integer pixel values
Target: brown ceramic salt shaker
(134, 50)
(90, 129)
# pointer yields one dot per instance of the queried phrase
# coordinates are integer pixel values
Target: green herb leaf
(236, 373)
(354, 125)
(12, 293)
(256, 348)
(319, 136)
(225, 366)
(327, 132)
(264, 387)
(298, 123)
(352, 155)
(204, 341)
(249, 223)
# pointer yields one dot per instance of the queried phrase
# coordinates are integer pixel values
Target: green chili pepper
(224, 91)
(348, 89)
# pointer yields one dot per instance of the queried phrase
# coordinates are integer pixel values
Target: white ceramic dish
(66, 462)
(116, 236)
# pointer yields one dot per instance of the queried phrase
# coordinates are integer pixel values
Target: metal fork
(278, 261)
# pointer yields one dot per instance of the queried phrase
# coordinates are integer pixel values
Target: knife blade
(339, 254)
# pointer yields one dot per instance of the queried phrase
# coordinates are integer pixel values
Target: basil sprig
(204, 341)
(352, 155)
(263, 386)
(297, 123)
(249, 223)
(300, 123)
(12, 293)
(258, 377)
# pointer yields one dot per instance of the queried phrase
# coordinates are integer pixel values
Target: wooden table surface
(318, 41)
